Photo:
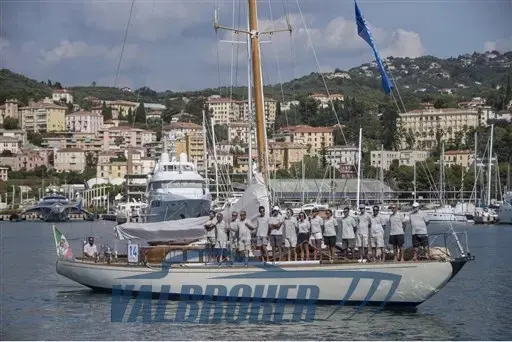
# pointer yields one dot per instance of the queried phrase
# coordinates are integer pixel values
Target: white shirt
(377, 225)
(418, 221)
(244, 233)
(290, 227)
(262, 226)
(222, 231)
(276, 220)
(90, 250)
(316, 224)
(364, 222)
(304, 226)
(348, 224)
(233, 230)
(396, 224)
(330, 226)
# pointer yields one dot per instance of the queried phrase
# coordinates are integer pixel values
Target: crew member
(329, 233)
(396, 224)
(419, 222)
(290, 234)
(316, 232)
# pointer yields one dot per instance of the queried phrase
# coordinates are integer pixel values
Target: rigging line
(318, 63)
(277, 60)
(237, 51)
(124, 43)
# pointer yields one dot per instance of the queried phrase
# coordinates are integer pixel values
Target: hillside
(468, 75)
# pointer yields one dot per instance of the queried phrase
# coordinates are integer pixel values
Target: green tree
(106, 112)
(129, 117)
(323, 154)
(140, 113)
(390, 136)
(10, 123)
(91, 160)
(57, 85)
(35, 138)
(118, 141)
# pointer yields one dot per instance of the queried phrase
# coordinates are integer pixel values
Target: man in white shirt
(329, 233)
(377, 234)
(262, 232)
(233, 237)
(363, 229)
(290, 234)
(221, 229)
(419, 222)
(396, 224)
(211, 234)
(90, 250)
(275, 225)
(316, 232)
(244, 228)
(348, 226)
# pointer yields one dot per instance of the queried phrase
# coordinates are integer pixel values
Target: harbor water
(38, 304)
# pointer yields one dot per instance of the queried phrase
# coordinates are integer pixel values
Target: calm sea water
(38, 304)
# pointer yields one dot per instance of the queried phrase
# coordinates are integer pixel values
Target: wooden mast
(258, 88)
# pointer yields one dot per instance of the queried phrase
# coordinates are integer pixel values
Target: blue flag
(364, 32)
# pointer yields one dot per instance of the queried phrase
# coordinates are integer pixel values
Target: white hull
(444, 217)
(505, 214)
(402, 284)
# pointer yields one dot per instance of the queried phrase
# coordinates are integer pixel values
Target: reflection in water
(39, 304)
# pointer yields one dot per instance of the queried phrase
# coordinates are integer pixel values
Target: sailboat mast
(476, 168)
(381, 174)
(249, 106)
(258, 87)
(489, 170)
(441, 175)
(359, 167)
(414, 181)
(205, 152)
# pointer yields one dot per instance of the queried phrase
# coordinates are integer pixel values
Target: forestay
(193, 228)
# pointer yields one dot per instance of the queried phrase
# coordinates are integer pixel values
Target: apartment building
(423, 124)
(193, 145)
(122, 137)
(43, 117)
(120, 107)
(84, 121)
(178, 129)
(285, 154)
(238, 133)
(269, 109)
(4, 173)
(111, 167)
(223, 110)
(463, 158)
(312, 137)
(10, 109)
(69, 159)
(384, 159)
(19, 134)
(62, 95)
(326, 100)
(342, 155)
(9, 144)
(223, 158)
(30, 159)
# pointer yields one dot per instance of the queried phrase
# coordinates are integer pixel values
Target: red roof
(306, 129)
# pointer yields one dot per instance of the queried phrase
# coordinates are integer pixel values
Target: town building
(4, 173)
(238, 133)
(285, 154)
(19, 134)
(43, 117)
(223, 110)
(384, 159)
(313, 137)
(193, 145)
(326, 100)
(63, 95)
(464, 158)
(28, 160)
(122, 137)
(181, 128)
(121, 108)
(423, 125)
(84, 121)
(224, 159)
(9, 144)
(69, 159)
(9, 110)
(342, 155)
(269, 109)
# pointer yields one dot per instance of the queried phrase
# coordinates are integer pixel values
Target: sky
(172, 45)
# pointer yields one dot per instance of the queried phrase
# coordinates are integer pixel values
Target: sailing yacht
(176, 190)
(174, 270)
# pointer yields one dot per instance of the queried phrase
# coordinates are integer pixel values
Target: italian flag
(61, 244)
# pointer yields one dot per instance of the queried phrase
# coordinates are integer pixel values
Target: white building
(69, 159)
(384, 158)
(9, 144)
(342, 155)
(84, 121)
(62, 94)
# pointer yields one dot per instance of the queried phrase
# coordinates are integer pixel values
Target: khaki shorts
(377, 240)
(290, 242)
(361, 240)
(261, 241)
(347, 243)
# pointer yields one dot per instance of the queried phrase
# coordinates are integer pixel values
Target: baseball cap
(415, 205)
(276, 207)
